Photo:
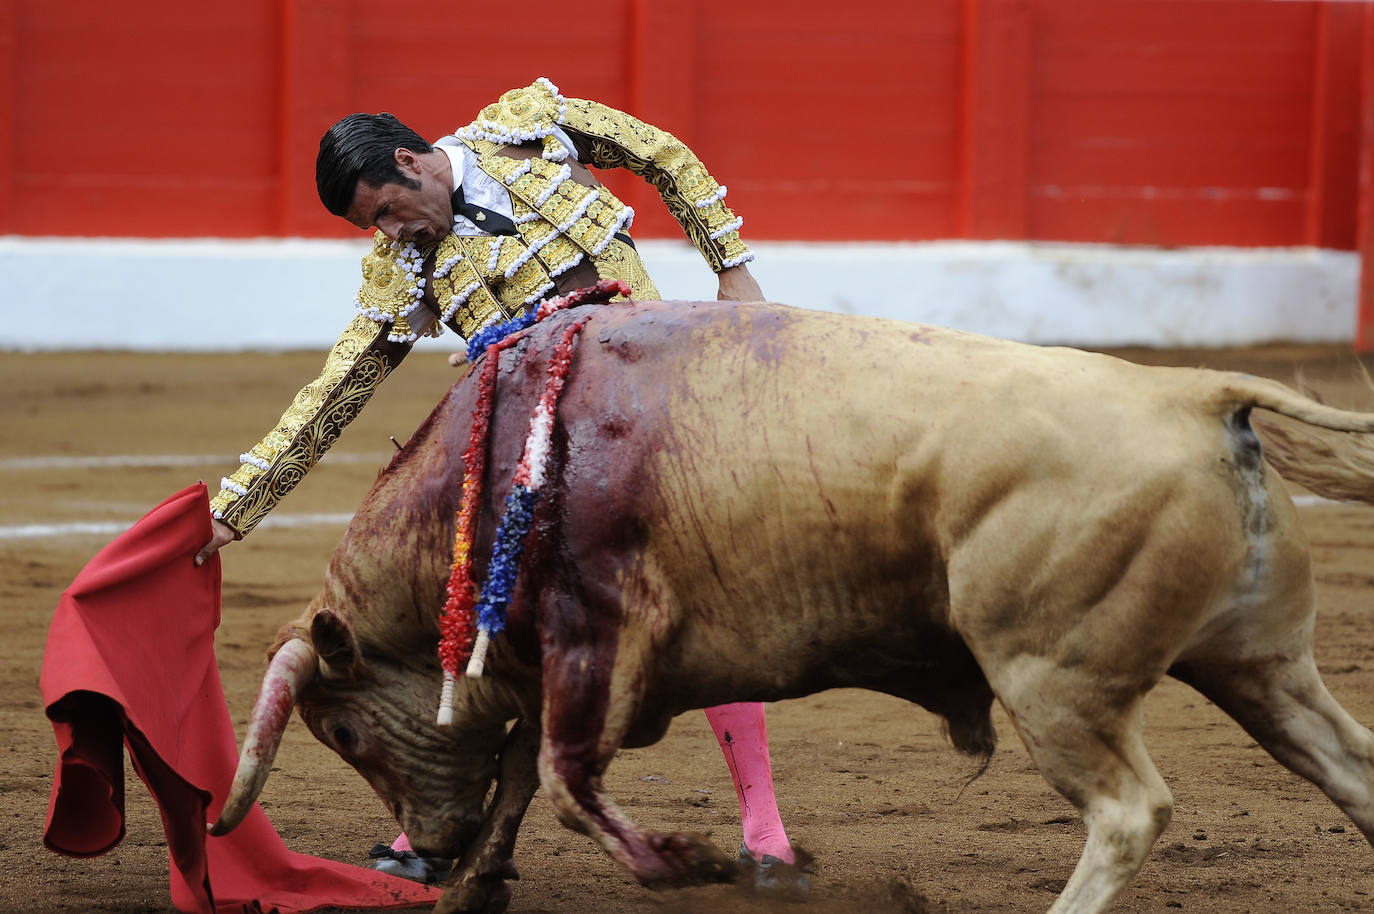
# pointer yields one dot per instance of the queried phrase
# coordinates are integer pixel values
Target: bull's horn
(290, 670)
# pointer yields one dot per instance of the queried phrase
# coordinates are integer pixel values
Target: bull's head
(378, 713)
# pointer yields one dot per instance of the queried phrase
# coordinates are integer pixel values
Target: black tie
(489, 221)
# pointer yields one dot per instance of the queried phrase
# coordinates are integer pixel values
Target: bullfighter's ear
(335, 645)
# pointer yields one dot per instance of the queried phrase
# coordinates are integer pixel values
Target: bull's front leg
(478, 882)
(590, 701)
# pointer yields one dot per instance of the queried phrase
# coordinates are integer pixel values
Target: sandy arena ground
(866, 782)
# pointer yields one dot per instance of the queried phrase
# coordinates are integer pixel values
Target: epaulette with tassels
(520, 116)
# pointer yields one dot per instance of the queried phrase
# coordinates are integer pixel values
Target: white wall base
(213, 294)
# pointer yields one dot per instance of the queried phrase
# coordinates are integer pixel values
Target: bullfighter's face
(417, 209)
(379, 716)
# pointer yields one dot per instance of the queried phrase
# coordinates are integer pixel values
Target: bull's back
(799, 481)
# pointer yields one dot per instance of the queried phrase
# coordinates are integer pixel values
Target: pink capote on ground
(130, 657)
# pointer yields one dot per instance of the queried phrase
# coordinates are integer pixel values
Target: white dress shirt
(480, 188)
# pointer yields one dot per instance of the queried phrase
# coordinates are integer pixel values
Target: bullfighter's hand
(738, 284)
(458, 359)
(221, 533)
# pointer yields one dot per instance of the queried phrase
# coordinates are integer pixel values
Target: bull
(754, 502)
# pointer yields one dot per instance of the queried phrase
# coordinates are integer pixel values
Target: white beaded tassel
(446, 701)
(478, 661)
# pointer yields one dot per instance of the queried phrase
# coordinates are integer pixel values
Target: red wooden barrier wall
(1168, 122)
(1364, 335)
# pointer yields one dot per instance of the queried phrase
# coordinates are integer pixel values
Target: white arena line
(1316, 501)
(159, 460)
(288, 521)
(114, 528)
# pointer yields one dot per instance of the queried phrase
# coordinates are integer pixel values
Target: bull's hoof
(766, 873)
(681, 860)
(409, 865)
(477, 895)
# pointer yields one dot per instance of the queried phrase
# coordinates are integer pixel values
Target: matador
(473, 230)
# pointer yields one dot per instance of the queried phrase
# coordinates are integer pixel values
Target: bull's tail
(1333, 455)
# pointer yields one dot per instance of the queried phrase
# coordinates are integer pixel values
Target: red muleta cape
(130, 658)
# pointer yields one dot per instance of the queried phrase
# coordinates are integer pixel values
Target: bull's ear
(335, 645)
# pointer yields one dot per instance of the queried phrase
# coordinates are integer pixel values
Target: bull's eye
(344, 738)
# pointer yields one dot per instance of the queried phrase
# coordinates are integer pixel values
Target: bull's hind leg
(590, 701)
(1283, 703)
(1258, 668)
(1087, 742)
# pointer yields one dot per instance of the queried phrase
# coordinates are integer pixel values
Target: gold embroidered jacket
(561, 224)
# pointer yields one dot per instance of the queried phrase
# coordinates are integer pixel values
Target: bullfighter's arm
(359, 361)
(607, 138)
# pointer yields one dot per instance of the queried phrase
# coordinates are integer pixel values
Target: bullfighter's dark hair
(361, 147)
